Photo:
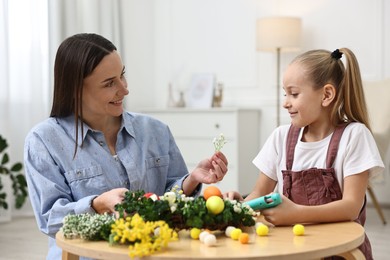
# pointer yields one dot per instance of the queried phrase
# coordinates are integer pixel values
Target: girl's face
(302, 100)
(105, 89)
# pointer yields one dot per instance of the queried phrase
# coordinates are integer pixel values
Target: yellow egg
(262, 230)
(195, 233)
(215, 205)
(298, 230)
(235, 234)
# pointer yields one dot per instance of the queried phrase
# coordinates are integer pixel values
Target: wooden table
(319, 241)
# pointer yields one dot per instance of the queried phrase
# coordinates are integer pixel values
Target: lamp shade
(283, 33)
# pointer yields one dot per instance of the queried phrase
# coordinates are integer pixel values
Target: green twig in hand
(219, 142)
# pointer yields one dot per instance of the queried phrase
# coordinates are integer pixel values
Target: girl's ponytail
(350, 104)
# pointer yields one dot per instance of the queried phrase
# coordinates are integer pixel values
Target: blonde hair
(323, 67)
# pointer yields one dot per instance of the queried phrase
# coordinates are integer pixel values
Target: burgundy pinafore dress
(317, 186)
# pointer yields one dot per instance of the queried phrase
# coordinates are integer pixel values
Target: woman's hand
(207, 171)
(106, 201)
(211, 170)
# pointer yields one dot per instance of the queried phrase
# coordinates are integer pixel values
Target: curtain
(23, 72)
(30, 33)
(68, 17)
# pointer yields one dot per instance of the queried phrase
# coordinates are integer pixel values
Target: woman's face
(104, 89)
(302, 100)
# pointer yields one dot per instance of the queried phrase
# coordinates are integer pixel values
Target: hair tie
(336, 54)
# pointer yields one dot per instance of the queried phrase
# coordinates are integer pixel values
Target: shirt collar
(127, 123)
(69, 126)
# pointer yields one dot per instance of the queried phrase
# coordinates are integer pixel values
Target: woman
(90, 151)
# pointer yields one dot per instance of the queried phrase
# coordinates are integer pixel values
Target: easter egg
(262, 230)
(210, 240)
(211, 191)
(229, 230)
(152, 196)
(298, 230)
(244, 238)
(235, 234)
(194, 233)
(215, 205)
(202, 235)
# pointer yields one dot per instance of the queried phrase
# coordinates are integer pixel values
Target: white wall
(173, 39)
(177, 38)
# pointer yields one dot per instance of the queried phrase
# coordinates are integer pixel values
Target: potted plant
(18, 181)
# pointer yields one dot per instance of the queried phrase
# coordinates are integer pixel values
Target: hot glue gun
(264, 202)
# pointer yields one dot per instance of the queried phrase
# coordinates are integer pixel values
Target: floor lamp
(278, 34)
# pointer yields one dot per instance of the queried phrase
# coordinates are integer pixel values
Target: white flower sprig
(86, 226)
(219, 142)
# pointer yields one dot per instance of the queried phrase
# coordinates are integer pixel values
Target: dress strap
(334, 145)
(292, 139)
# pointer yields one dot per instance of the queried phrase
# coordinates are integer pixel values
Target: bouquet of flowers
(143, 237)
(147, 222)
(182, 212)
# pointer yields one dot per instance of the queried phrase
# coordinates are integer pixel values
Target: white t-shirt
(357, 153)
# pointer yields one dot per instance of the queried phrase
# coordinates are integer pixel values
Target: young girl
(323, 162)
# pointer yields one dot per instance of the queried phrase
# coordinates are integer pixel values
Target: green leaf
(19, 201)
(18, 181)
(196, 222)
(21, 180)
(5, 159)
(3, 144)
(3, 203)
(4, 170)
(16, 167)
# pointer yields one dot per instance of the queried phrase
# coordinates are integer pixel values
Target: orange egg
(211, 191)
(244, 238)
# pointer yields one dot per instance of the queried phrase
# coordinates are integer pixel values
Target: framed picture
(201, 91)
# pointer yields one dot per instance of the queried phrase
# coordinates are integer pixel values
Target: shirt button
(158, 161)
(78, 172)
(101, 143)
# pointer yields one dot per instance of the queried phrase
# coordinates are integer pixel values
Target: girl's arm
(346, 209)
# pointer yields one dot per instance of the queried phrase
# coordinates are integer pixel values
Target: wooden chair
(377, 96)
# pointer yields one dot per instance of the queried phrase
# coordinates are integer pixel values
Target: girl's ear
(329, 94)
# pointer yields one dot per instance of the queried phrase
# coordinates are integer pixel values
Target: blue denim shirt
(147, 159)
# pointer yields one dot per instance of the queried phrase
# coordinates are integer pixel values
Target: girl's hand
(233, 195)
(283, 214)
